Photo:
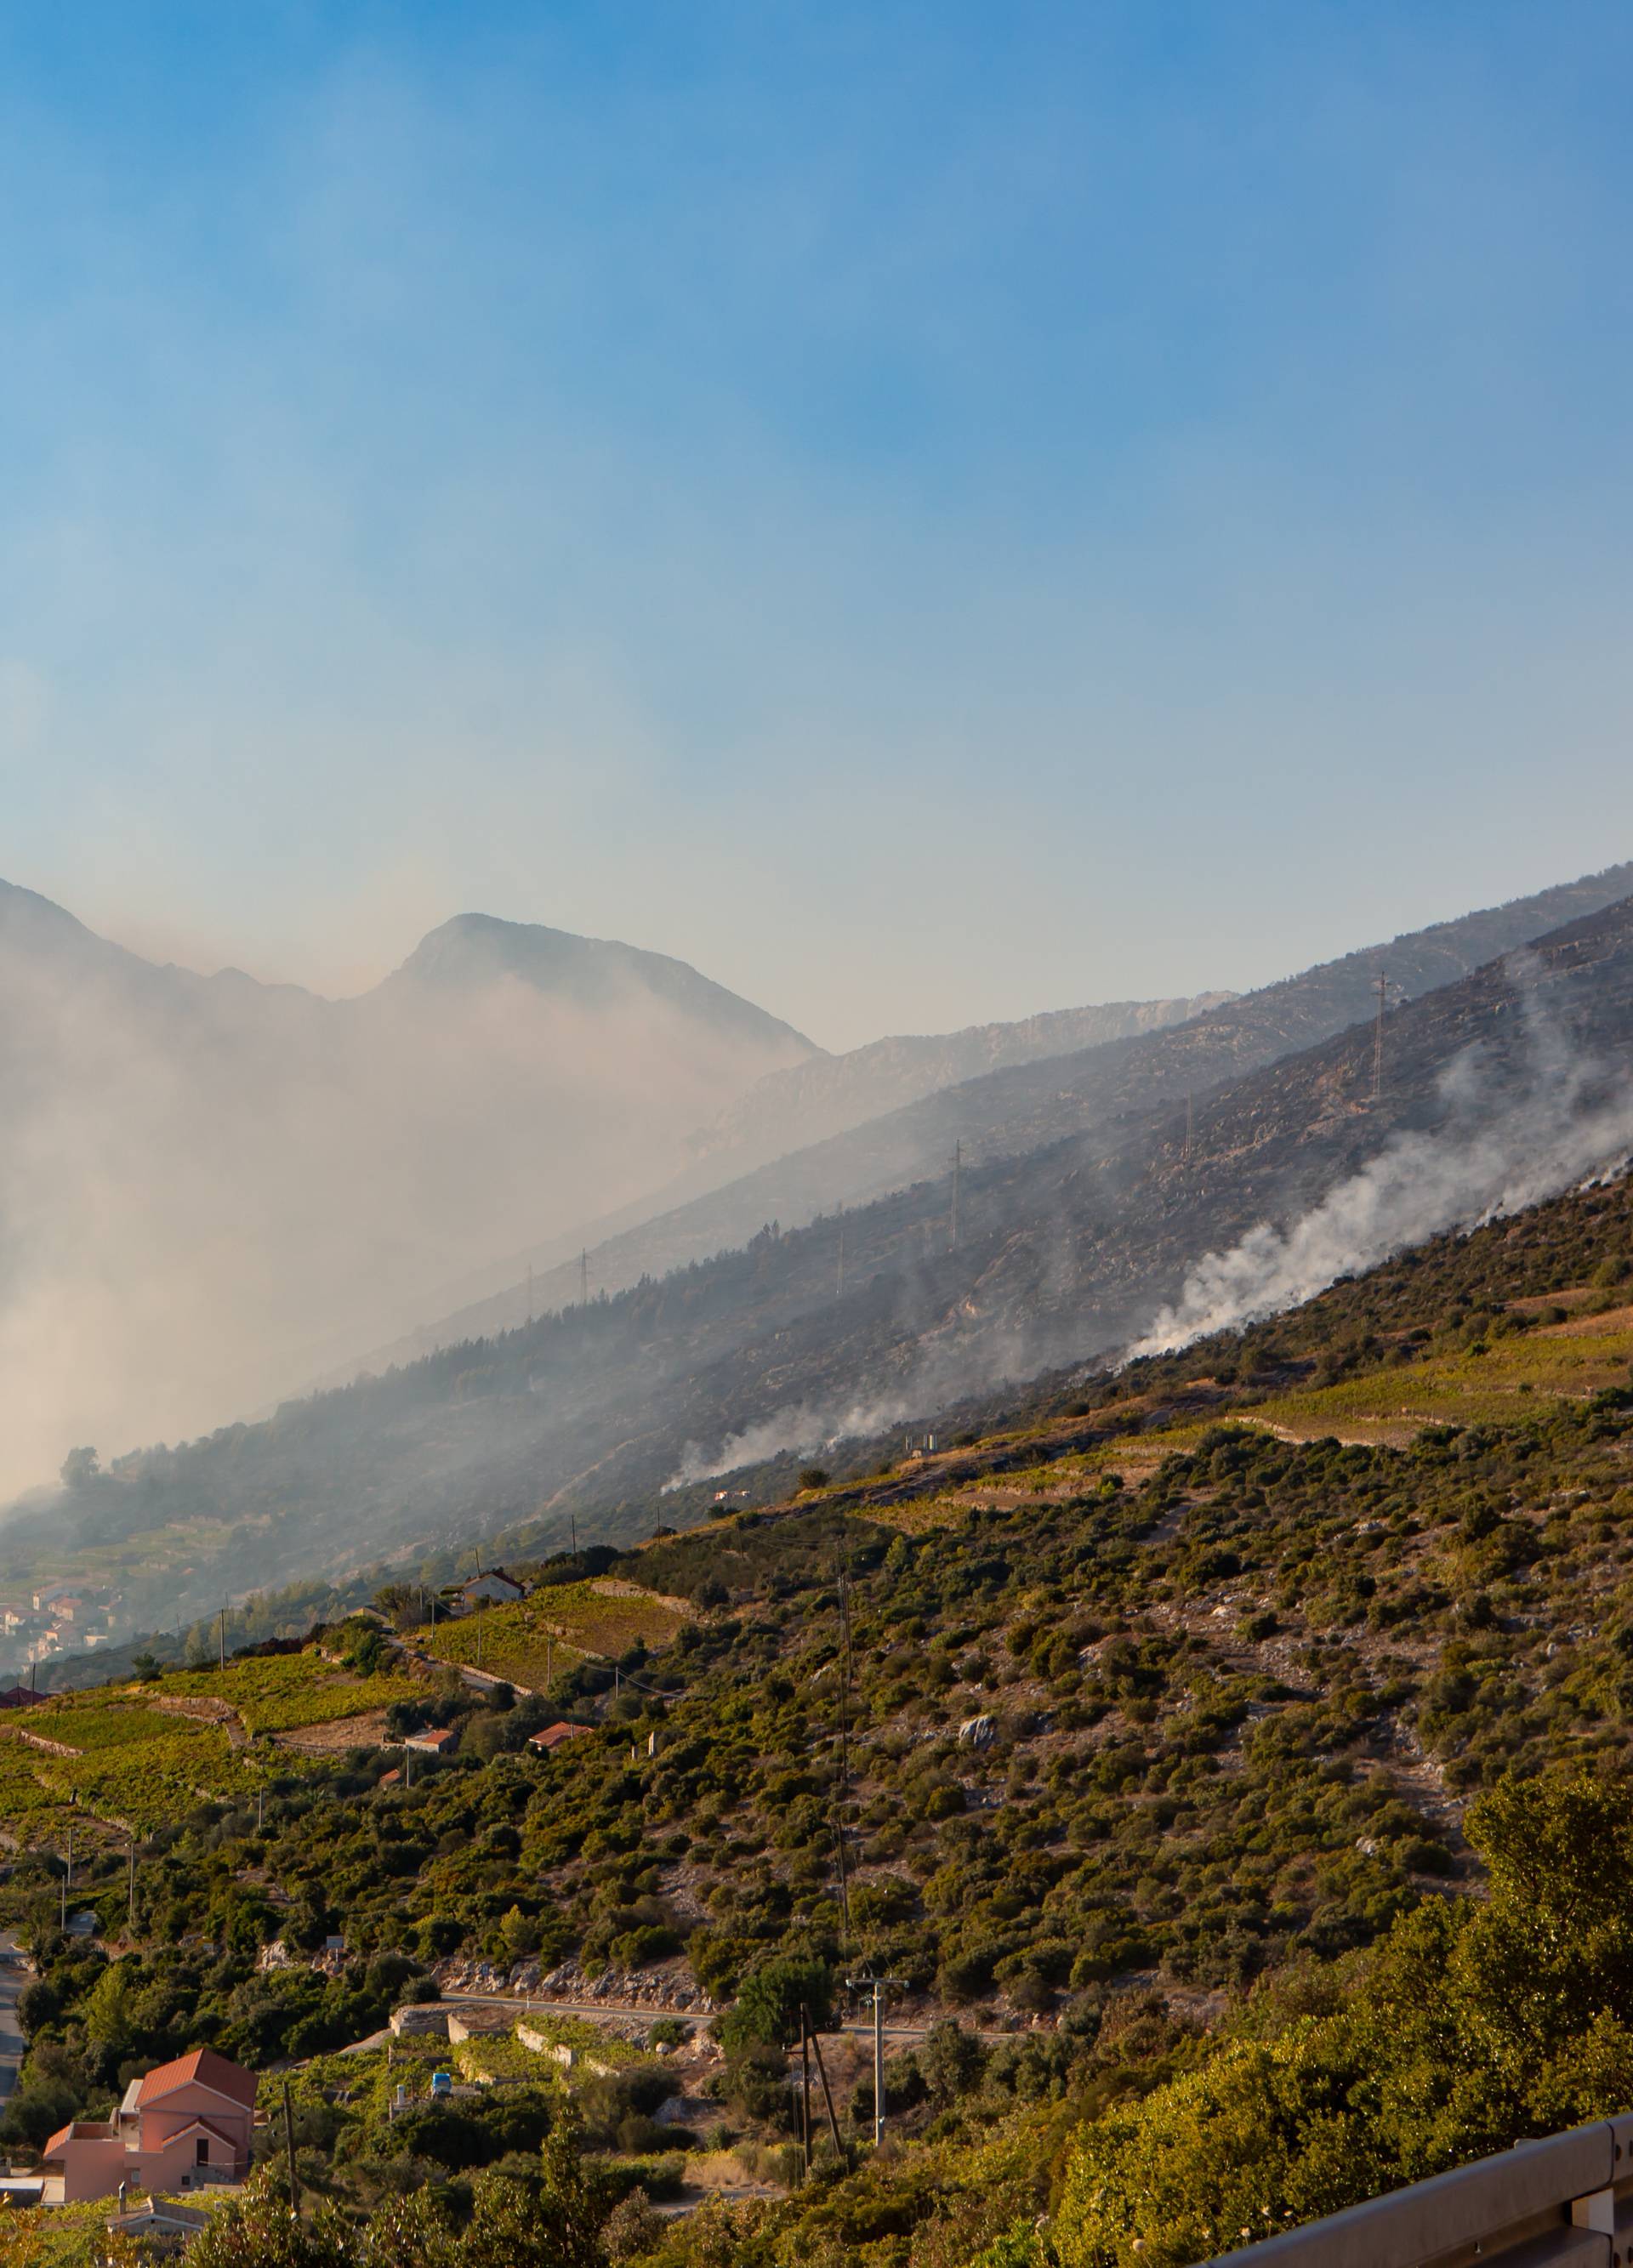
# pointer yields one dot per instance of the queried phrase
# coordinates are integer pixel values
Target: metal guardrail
(1566, 2202)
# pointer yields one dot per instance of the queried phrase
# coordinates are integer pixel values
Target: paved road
(14, 1976)
(521, 2006)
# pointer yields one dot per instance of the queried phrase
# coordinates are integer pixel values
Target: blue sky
(929, 512)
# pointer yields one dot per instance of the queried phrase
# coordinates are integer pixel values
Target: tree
(78, 1467)
(770, 1998)
(259, 2231)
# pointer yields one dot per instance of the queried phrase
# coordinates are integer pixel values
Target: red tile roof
(553, 1735)
(203, 2068)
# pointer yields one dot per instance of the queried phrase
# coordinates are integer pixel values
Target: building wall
(92, 2168)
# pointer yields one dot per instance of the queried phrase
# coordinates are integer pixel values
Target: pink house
(182, 2125)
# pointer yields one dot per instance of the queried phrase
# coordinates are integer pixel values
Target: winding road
(14, 1976)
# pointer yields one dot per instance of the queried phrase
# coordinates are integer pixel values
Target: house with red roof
(440, 1741)
(553, 1735)
(179, 2127)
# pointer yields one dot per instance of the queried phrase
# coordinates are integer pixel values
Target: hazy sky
(929, 512)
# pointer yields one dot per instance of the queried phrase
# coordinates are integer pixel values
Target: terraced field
(282, 1693)
(142, 1756)
(539, 1637)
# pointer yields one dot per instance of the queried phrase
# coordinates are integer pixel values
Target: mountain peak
(477, 949)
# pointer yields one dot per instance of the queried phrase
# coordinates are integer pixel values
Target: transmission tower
(1380, 984)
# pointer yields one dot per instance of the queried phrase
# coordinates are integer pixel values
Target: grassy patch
(556, 1627)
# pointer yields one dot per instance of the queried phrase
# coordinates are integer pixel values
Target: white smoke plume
(1573, 1121)
(788, 1432)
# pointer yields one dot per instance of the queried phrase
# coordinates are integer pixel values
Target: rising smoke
(1572, 1118)
(213, 1191)
(789, 1433)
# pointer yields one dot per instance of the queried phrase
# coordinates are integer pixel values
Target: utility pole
(221, 1634)
(952, 1242)
(876, 1986)
(1190, 1125)
(840, 1291)
(529, 1290)
(479, 1640)
(827, 2094)
(805, 2090)
(132, 1903)
(574, 1517)
(549, 1672)
(68, 1877)
(584, 1278)
(289, 2153)
(1381, 985)
(261, 1808)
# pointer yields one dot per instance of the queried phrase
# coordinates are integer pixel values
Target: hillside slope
(1026, 1106)
(1165, 1763)
(1496, 1086)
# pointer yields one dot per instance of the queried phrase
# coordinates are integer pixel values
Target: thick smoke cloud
(1493, 1153)
(213, 1191)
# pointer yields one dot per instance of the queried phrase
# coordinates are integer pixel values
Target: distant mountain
(787, 1113)
(1506, 1082)
(1027, 1104)
(211, 1187)
(830, 1094)
(474, 952)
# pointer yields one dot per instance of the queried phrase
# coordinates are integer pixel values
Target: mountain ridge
(1020, 1107)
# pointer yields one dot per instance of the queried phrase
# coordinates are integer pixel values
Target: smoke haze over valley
(1183, 1171)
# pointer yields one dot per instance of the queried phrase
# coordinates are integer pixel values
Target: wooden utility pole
(68, 1878)
(132, 1898)
(289, 2154)
(805, 2088)
(827, 2097)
